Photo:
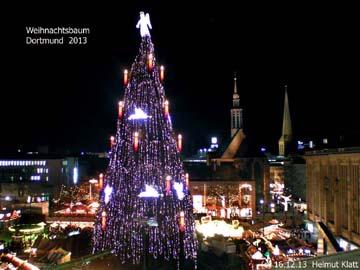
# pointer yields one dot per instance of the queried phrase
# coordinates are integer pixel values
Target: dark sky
(66, 96)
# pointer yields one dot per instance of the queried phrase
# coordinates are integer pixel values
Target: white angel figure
(144, 24)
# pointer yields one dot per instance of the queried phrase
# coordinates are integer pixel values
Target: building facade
(235, 184)
(26, 175)
(295, 178)
(333, 190)
(225, 199)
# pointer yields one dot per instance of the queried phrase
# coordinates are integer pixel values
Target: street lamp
(262, 208)
(272, 209)
(272, 205)
(293, 212)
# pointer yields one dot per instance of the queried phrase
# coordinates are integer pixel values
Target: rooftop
(346, 150)
(238, 169)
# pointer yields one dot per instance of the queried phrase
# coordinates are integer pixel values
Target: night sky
(66, 96)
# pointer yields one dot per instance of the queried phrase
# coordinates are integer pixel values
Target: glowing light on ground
(220, 227)
(276, 250)
(257, 256)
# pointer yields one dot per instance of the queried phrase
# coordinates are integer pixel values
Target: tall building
(333, 193)
(286, 135)
(236, 111)
(24, 175)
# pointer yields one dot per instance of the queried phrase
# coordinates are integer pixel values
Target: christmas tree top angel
(144, 24)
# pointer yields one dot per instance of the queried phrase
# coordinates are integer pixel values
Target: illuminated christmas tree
(145, 205)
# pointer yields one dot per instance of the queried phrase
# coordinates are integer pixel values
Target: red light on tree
(168, 184)
(126, 77)
(150, 61)
(162, 71)
(121, 109)
(182, 221)
(112, 141)
(136, 141)
(180, 142)
(166, 108)
(103, 220)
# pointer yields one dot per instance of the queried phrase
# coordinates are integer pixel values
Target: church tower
(236, 111)
(286, 128)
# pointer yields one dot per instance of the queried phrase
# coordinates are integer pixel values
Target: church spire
(286, 135)
(236, 97)
(235, 86)
(286, 130)
(236, 111)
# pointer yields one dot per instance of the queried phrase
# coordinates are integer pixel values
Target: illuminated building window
(75, 175)
(35, 178)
